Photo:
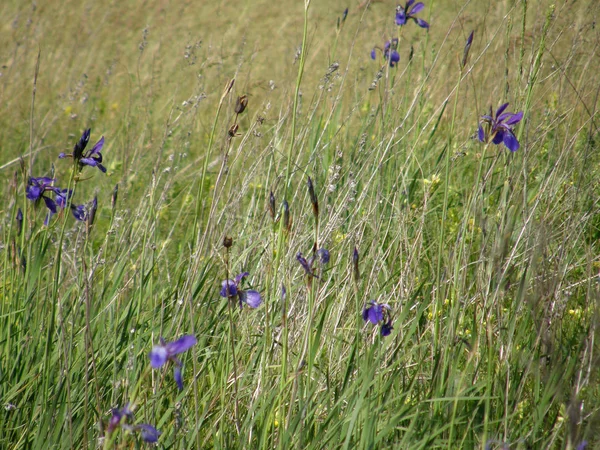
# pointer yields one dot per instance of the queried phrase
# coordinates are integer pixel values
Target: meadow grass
(488, 259)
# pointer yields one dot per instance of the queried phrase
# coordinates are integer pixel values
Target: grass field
(344, 180)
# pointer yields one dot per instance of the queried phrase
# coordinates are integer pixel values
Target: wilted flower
(313, 198)
(92, 158)
(307, 264)
(379, 314)
(390, 52)
(408, 12)
(466, 50)
(287, 220)
(231, 289)
(355, 260)
(241, 104)
(499, 127)
(164, 352)
(19, 221)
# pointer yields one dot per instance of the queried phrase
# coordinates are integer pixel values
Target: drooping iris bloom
(499, 128)
(307, 264)
(167, 351)
(408, 12)
(231, 289)
(91, 158)
(147, 432)
(390, 52)
(379, 314)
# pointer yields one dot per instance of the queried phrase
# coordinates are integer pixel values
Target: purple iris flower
(167, 351)
(390, 52)
(117, 416)
(62, 196)
(91, 158)
(37, 187)
(379, 314)
(499, 127)
(147, 432)
(231, 289)
(408, 12)
(373, 313)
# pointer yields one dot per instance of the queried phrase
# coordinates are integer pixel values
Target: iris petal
(228, 287)
(178, 374)
(511, 141)
(481, 134)
(516, 118)
(180, 345)
(417, 8)
(422, 23)
(148, 432)
(158, 356)
(251, 298)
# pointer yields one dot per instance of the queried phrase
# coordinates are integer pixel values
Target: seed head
(241, 104)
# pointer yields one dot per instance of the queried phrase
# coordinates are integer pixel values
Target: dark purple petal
(502, 117)
(251, 298)
(62, 195)
(88, 162)
(487, 118)
(481, 134)
(240, 277)
(421, 23)
(50, 204)
(510, 141)
(373, 54)
(178, 374)
(81, 144)
(62, 155)
(408, 3)
(516, 118)
(115, 420)
(304, 263)
(78, 212)
(386, 328)
(498, 137)
(232, 291)
(102, 168)
(394, 58)
(373, 313)
(148, 432)
(400, 18)
(416, 9)
(34, 192)
(470, 40)
(97, 147)
(181, 345)
(158, 356)
(501, 109)
(323, 254)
